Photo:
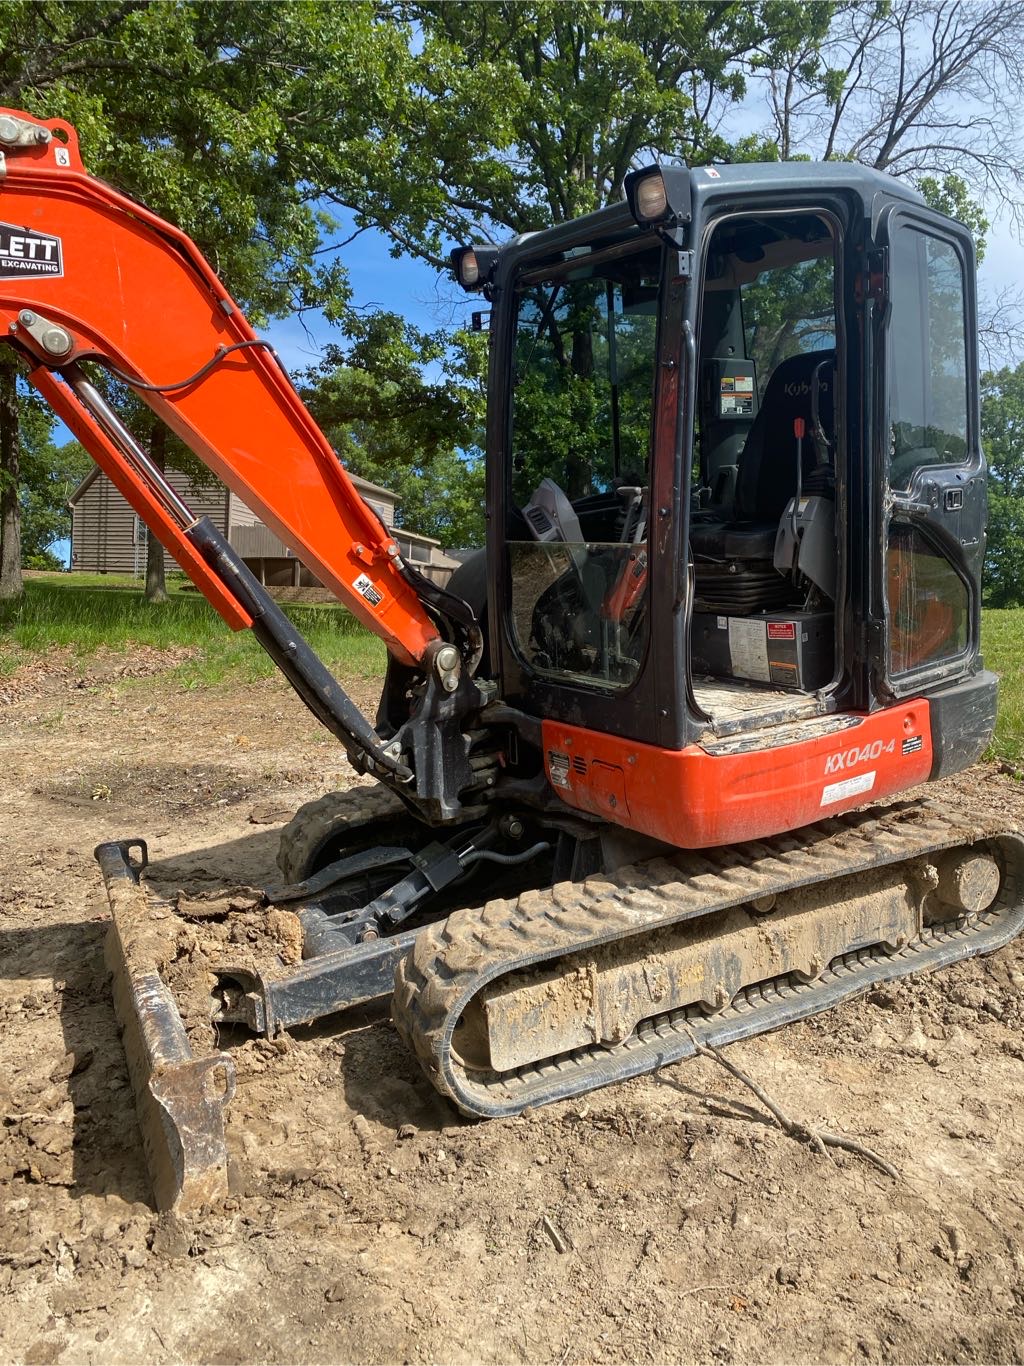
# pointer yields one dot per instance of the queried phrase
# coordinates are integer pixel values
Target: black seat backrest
(766, 478)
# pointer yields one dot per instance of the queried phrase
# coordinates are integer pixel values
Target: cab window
(927, 355)
(585, 352)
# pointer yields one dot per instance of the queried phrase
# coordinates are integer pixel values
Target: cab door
(932, 480)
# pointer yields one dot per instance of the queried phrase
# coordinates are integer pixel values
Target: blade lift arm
(87, 274)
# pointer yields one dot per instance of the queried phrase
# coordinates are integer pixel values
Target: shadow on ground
(106, 1152)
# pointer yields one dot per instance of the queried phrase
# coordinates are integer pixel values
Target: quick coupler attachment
(180, 1099)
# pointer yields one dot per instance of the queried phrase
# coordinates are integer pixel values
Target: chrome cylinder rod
(91, 399)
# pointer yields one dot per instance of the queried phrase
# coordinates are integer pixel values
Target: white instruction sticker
(849, 787)
(364, 585)
(748, 649)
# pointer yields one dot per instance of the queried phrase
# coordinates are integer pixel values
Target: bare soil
(665, 1219)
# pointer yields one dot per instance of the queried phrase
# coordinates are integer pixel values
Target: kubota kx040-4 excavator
(731, 593)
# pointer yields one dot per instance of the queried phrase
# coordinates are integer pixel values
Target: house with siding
(107, 536)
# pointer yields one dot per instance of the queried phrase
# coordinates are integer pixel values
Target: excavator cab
(736, 484)
(730, 595)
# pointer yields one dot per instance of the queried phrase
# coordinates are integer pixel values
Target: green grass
(1002, 643)
(89, 612)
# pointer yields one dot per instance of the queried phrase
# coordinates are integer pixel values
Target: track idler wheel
(967, 881)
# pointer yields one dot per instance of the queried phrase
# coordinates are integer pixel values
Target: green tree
(492, 118)
(422, 437)
(487, 119)
(10, 480)
(951, 195)
(927, 90)
(1002, 425)
(49, 475)
(431, 121)
(182, 106)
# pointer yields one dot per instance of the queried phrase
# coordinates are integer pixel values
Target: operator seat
(766, 474)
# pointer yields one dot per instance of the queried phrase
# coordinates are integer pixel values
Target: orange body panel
(137, 291)
(694, 799)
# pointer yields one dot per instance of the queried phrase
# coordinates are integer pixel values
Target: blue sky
(422, 295)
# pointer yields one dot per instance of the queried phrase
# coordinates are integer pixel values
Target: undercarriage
(516, 986)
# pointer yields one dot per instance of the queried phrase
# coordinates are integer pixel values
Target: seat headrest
(766, 479)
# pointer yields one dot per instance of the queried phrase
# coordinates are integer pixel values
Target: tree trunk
(156, 590)
(11, 585)
(579, 459)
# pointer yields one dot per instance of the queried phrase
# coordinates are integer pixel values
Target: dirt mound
(61, 671)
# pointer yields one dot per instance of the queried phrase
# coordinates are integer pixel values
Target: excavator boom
(87, 274)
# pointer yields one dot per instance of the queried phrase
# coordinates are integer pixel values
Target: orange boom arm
(88, 274)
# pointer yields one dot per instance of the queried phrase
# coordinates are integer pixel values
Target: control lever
(799, 431)
(633, 500)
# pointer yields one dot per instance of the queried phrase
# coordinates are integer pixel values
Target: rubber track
(455, 959)
(330, 815)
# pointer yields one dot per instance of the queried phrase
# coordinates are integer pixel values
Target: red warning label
(782, 630)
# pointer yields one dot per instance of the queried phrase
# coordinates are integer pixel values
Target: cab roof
(714, 186)
(782, 177)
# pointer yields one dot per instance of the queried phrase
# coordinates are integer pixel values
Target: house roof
(85, 485)
(363, 485)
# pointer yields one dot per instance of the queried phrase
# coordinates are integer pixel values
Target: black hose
(492, 856)
(365, 862)
(308, 675)
(201, 373)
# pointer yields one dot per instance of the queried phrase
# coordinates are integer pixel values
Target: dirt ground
(663, 1220)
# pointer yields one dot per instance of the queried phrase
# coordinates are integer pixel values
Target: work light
(466, 266)
(650, 199)
(659, 195)
(472, 266)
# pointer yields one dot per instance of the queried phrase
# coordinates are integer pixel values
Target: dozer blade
(180, 1099)
(558, 992)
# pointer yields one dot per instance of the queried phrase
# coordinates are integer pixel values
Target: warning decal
(364, 585)
(736, 394)
(849, 787)
(748, 649)
(558, 768)
(25, 254)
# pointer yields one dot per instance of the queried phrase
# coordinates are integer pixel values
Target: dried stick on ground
(818, 1138)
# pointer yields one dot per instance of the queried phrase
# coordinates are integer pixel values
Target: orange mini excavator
(730, 594)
